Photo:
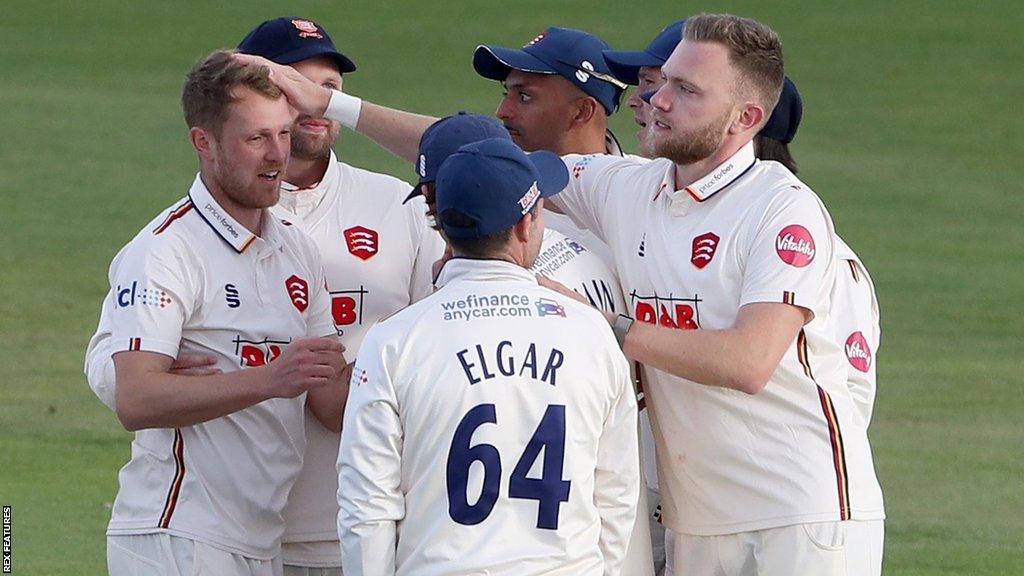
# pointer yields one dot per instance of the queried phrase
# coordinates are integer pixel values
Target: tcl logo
(298, 291)
(858, 352)
(362, 242)
(347, 306)
(703, 249)
(795, 246)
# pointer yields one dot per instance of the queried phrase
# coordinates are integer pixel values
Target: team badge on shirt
(362, 242)
(703, 251)
(795, 246)
(858, 352)
(298, 291)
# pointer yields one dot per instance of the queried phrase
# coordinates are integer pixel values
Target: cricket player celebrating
(214, 456)
(377, 258)
(765, 466)
(561, 259)
(853, 301)
(502, 447)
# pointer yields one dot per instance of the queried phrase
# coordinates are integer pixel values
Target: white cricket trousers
(851, 548)
(166, 555)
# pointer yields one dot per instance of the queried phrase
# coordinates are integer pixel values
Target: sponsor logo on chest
(703, 249)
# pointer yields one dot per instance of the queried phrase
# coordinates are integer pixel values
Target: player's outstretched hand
(303, 94)
(305, 364)
(191, 364)
(560, 288)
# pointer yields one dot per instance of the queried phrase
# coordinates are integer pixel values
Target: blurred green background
(909, 135)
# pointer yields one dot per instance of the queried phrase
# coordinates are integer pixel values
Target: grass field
(910, 135)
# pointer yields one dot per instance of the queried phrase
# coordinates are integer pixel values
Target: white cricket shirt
(579, 269)
(858, 331)
(748, 232)
(196, 278)
(490, 427)
(377, 255)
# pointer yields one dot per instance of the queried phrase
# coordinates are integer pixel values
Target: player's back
(506, 392)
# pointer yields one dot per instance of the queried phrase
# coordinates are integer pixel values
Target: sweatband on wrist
(344, 108)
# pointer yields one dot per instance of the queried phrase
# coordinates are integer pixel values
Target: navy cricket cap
(785, 118)
(625, 64)
(495, 184)
(444, 137)
(572, 54)
(287, 40)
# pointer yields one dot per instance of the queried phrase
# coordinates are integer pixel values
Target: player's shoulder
(587, 322)
(381, 187)
(583, 165)
(170, 228)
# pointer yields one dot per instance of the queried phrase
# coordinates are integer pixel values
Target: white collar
(303, 201)
(485, 270)
(722, 175)
(233, 232)
(611, 144)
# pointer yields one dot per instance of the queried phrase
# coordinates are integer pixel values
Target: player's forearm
(394, 130)
(730, 358)
(327, 403)
(162, 400)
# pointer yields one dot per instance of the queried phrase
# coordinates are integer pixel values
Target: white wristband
(344, 108)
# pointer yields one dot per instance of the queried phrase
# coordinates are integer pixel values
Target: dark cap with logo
(287, 40)
(785, 118)
(494, 183)
(572, 54)
(444, 137)
(625, 64)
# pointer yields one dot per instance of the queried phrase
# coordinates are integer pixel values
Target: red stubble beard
(691, 146)
(312, 138)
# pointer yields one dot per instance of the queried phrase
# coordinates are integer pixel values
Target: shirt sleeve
(790, 255)
(370, 499)
(152, 294)
(99, 363)
(585, 199)
(855, 312)
(617, 477)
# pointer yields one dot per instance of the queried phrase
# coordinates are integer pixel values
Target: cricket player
(765, 465)
(854, 304)
(377, 257)
(560, 258)
(215, 456)
(502, 447)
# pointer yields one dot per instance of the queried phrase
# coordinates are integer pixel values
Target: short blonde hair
(210, 88)
(754, 48)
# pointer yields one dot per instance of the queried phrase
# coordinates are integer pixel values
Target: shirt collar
(303, 201)
(230, 230)
(611, 144)
(723, 175)
(485, 270)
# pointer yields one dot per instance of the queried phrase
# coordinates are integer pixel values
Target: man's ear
(583, 110)
(524, 228)
(203, 141)
(751, 116)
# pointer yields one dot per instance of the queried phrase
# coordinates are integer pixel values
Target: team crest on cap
(298, 291)
(858, 352)
(703, 249)
(307, 29)
(362, 242)
(795, 246)
(423, 166)
(536, 39)
(528, 199)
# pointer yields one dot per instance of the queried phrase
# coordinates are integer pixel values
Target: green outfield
(909, 135)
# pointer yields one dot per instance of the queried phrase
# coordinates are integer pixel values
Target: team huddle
(546, 357)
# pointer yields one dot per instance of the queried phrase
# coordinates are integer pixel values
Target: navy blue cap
(625, 64)
(287, 40)
(495, 184)
(572, 54)
(444, 137)
(785, 118)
